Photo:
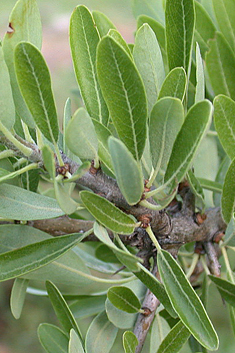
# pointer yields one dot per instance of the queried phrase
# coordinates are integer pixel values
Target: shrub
(137, 190)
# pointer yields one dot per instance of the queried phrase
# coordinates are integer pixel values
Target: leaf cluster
(158, 114)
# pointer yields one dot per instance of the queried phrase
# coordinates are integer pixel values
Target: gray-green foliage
(142, 129)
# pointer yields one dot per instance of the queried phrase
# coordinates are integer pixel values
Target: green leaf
(84, 39)
(166, 120)
(148, 59)
(75, 345)
(229, 233)
(20, 204)
(226, 289)
(107, 214)
(150, 8)
(225, 123)
(206, 163)
(80, 135)
(100, 335)
(159, 31)
(119, 318)
(186, 302)
(102, 22)
(180, 23)
(69, 270)
(156, 287)
(122, 319)
(175, 339)
(61, 309)
(127, 171)
(65, 201)
(49, 160)
(159, 330)
(200, 86)
(113, 33)
(204, 28)
(119, 78)
(174, 84)
(7, 107)
(103, 134)
(53, 339)
(228, 194)
(186, 144)
(35, 84)
(129, 259)
(196, 188)
(124, 299)
(62, 192)
(130, 342)
(18, 296)
(224, 12)
(23, 15)
(210, 185)
(88, 306)
(220, 64)
(18, 262)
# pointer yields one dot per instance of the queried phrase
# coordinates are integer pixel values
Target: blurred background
(20, 336)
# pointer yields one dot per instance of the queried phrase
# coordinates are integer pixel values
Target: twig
(212, 256)
(144, 321)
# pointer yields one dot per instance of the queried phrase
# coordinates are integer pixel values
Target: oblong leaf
(175, 339)
(7, 107)
(200, 86)
(226, 289)
(148, 7)
(53, 339)
(84, 39)
(18, 262)
(75, 345)
(18, 293)
(100, 335)
(159, 31)
(80, 135)
(156, 287)
(130, 342)
(35, 84)
(122, 255)
(204, 28)
(180, 22)
(193, 129)
(103, 134)
(127, 171)
(23, 15)
(61, 309)
(224, 12)
(224, 123)
(21, 204)
(186, 302)
(220, 64)
(107, 214)
(228, 194)
(113, 33)
(148, 59)
(124, 299)
(166, 120)
(124, 93)
(174, 84)
(102, 22)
